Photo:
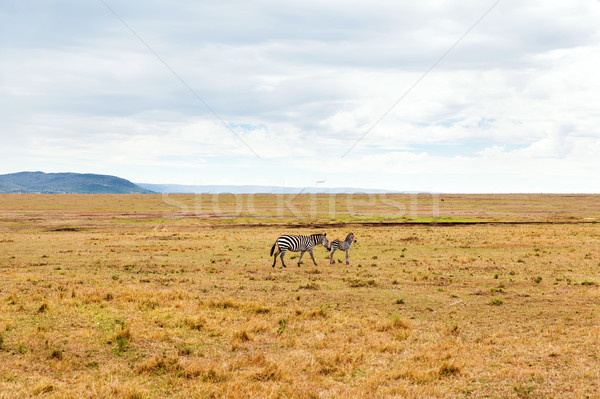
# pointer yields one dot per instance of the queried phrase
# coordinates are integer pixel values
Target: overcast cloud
(514, 107)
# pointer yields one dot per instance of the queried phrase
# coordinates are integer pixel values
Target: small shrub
(43, 308)
(454, 330)
(400, 301)
(56, 354)
(588, 283)
(92, 365)
(121, 346)
(282, 326)
(122, 339)
(495, 302)
(537, 280)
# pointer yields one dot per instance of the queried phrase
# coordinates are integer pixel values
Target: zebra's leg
(283, 253)
(301, 254)
(275, 257)
(312, 256)
(347, 260)
(331, 261)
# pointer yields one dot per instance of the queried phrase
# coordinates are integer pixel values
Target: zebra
(342, 245)
(292, 243)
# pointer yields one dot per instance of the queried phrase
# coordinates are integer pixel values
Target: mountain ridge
(67, 183)
(89, 183)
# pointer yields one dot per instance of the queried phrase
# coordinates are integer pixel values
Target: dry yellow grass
(129, 297)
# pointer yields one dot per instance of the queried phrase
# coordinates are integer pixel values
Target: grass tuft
(269, 372)
(43, 389)
(227, 303)
(448, 369)
(194, 323)
(309, 286)
(242, 336)
(395, 324)
(357, 283)
(159, 365)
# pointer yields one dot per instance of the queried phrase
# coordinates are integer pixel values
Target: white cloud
(300, 82)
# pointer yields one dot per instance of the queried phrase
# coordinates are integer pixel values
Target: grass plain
(144, 296)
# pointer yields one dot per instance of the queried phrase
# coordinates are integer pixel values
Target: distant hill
(216, 189)
(63, 183)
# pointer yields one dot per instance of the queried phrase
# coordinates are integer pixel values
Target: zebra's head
(350, 238)
(322, 239)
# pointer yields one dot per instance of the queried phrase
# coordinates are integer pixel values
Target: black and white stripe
(342, 245)
(300, 244)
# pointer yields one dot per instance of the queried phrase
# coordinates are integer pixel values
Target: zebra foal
(342, 245)
(300, 244)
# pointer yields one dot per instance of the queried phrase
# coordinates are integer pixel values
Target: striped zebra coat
(300, 244)
(342, 245)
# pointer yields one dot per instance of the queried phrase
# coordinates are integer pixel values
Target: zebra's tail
(273, 248)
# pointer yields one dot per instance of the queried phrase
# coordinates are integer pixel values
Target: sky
(437, 96)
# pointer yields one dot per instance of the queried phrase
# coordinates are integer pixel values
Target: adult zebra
(342, 245)
(300, 244)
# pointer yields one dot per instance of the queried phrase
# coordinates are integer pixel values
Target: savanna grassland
(149, 296)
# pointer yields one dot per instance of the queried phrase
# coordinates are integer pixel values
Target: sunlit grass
(97, 302)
